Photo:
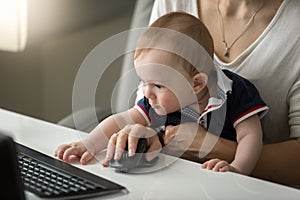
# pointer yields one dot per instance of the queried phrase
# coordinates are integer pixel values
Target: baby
(173, 59)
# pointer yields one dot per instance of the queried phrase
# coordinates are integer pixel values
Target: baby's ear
(199, 82)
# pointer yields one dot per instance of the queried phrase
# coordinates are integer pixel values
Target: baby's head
(179, 22)
(179, 41)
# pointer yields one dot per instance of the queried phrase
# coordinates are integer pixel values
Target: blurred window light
(13, 25)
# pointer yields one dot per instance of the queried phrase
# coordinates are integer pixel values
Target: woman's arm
(221, 148)
(278, 162)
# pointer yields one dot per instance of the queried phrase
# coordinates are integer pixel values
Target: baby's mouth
(156, 107)
(159, 110)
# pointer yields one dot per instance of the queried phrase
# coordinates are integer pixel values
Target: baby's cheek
(171, 103)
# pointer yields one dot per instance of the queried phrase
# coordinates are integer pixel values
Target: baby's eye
(159, 86)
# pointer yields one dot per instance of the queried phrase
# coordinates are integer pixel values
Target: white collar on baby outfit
(224, 86)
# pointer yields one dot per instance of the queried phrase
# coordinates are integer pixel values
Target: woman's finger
(170, 133)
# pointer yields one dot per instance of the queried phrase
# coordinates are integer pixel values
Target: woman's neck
(239, 8)
(242, 2)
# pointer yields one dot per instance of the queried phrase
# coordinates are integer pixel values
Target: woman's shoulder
(162, 7)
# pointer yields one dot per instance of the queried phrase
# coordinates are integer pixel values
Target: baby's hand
(65, 151)
(130, 135)
(218, 165)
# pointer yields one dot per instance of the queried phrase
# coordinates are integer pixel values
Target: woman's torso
(268, 59)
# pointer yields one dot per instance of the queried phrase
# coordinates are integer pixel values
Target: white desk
(181, 180)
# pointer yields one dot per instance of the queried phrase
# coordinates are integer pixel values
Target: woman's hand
(130, 134)
(192, 142)
(66, 151)
(184, 139)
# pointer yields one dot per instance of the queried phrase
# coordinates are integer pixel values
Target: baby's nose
(148, 92)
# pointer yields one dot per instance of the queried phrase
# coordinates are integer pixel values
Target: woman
(260, 40)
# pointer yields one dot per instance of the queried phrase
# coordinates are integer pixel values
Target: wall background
(38, 81)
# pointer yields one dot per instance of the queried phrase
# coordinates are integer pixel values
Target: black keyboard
(49, 178)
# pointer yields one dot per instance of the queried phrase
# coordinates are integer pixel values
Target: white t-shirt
(272, 63)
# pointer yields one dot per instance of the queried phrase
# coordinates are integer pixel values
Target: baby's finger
(220, 164)
(211, 163)
(224, 169)
(132, 145)
(111, 146)
(61, 150)
(204, 165)
(86, 157)
(70, 152)
(120, 144)
(153, 151)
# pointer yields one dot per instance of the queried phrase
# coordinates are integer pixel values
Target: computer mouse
(138, 160)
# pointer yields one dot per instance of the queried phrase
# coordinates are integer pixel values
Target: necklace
(228, 47)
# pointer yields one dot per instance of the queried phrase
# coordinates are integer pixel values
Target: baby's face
(166, 84)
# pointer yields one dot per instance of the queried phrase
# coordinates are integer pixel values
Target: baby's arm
(249, 138)
(250, 142)
(97, 140)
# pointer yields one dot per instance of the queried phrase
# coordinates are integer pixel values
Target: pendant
(227, 53)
